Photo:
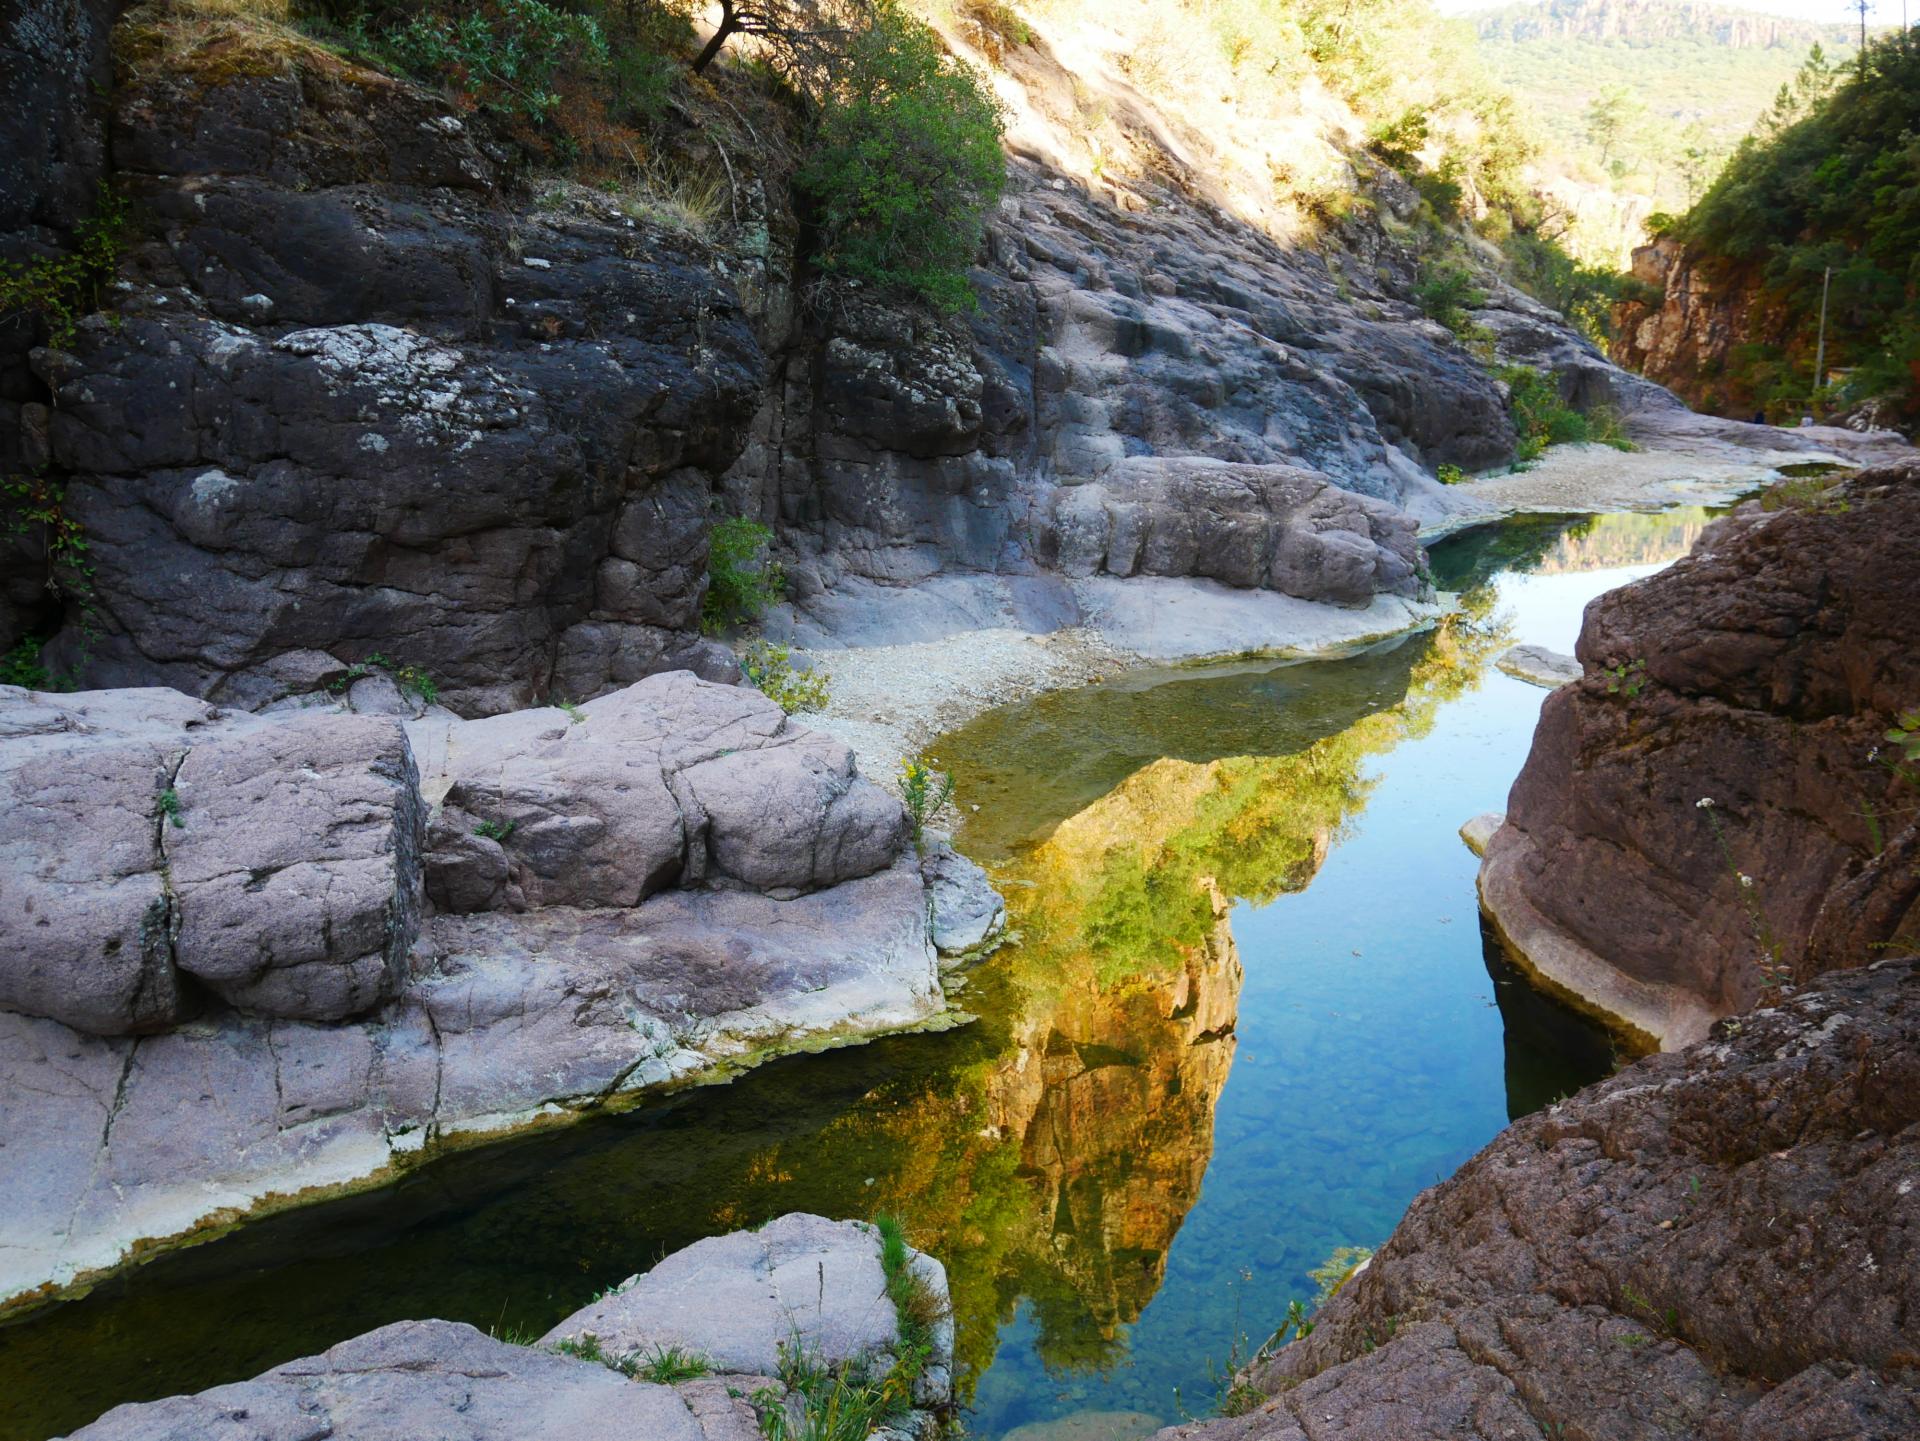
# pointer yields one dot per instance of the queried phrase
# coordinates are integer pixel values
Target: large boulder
(1274, 527)
(1713, 1244)
(672, 781)
(801, 1285)
(152, 845)
(1714, 811)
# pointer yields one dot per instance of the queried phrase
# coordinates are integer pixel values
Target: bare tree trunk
(729, 23)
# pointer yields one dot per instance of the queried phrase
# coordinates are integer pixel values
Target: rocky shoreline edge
(733, 1338)
(1750, 703)
(324, 944)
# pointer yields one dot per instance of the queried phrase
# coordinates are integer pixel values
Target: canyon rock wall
(369, 387)
(1685, 337)
(1715, 810)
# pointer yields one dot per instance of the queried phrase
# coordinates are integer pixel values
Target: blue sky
(1883, 13)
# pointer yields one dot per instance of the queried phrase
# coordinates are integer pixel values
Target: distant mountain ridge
(1654, 22)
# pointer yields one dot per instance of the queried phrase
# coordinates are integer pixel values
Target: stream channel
(1250, 1014)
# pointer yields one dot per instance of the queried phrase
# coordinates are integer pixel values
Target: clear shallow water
(1251, 1015)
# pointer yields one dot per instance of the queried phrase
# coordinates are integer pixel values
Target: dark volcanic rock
(1774, 660)
(56, 69)
(1715, 1244)
(357, 404)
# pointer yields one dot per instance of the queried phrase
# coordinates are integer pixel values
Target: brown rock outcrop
(1685, 336)
(1713, 1244)
(1714, 809)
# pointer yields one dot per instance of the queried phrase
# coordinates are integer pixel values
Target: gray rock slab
(1537, 665)
(413, 1380)
(967, 911)
(1479, 831)
(801, 1282)
(671, 781)
(512, 1020)
(145, 836)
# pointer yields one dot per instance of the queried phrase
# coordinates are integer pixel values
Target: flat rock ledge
(1713, 1245)
(1536, 665)
(251, 961)
(740, 1304)
(1479, 832)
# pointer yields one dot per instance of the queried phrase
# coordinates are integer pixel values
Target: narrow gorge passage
(1250, 1014)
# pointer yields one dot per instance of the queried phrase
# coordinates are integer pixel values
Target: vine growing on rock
(57, 291)
(37, 502)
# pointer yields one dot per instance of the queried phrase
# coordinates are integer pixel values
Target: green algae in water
(1251, 1016)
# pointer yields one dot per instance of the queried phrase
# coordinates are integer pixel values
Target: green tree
(904, 162)
(1612, 117)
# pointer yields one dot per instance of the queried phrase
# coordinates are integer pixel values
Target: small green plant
(1450, 474)
(36, 503)
(575, 716)
(409, 678)
(770, 669)
(669, 1365)
(586, 1347)
(1446, 293)
(60, 290)
(838, 1403)
(21, 666)
(502, 55)
(925, 791)
(1905, 735)
(742, 579)
(495, 830)
(1776, 972)
(167, 807)
(919, 1309)
(1628, 678)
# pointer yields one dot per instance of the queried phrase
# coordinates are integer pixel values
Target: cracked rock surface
(1718, 1243)
(238, 958)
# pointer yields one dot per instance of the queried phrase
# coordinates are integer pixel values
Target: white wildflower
(1705, 803)
(1746, 880)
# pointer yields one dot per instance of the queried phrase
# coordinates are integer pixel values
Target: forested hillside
(1646, 98)
(1830, 184)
